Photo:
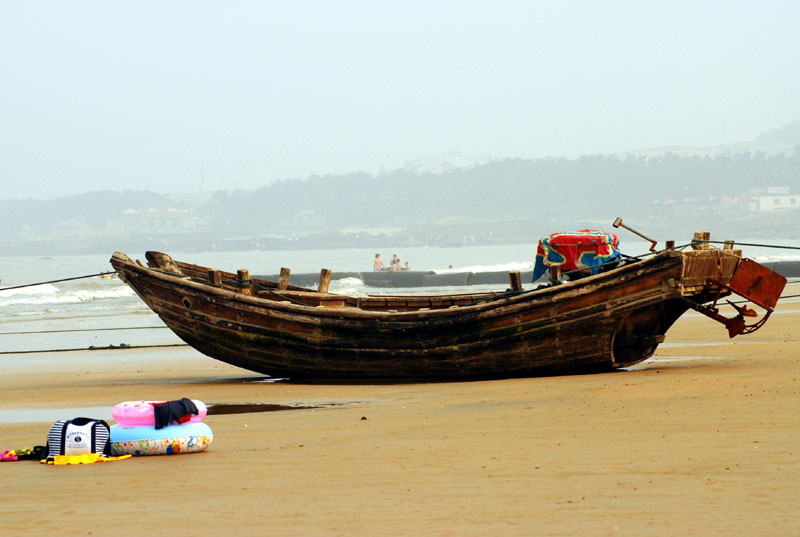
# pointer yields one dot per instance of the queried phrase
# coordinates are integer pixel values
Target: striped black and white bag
(77, 437)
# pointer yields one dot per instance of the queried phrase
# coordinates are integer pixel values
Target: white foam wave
(33, 290)
(348, 286)
(49, 294)
(773, 258)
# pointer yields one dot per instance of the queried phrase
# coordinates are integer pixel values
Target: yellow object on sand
(86, 458)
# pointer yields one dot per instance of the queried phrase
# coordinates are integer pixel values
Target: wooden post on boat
(515, 280)
(700, 240)
(215, 278)
(243, 281)
(324, 280)
(283, 279)
(669, 245)
(555, 274)
(728, 245)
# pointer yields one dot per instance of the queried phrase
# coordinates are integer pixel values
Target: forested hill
(500, 200)
(582, 188)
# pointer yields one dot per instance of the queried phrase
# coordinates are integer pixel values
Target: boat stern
(709, 275)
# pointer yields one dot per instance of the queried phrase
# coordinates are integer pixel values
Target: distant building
(757, 200)
(773, 202)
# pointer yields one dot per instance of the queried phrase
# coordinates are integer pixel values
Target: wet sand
(703, 439)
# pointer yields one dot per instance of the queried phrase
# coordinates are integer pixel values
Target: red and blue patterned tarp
(586, 249)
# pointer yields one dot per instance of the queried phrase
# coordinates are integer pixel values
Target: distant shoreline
(763, 228)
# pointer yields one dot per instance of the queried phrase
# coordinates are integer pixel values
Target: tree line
(512, 193)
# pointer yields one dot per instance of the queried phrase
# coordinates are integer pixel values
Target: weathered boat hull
(613, 319)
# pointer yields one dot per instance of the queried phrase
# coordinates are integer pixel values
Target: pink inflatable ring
(141, 413)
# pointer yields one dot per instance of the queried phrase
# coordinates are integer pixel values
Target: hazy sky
(152, 95)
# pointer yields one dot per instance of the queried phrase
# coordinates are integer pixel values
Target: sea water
(98, 311)
(101, 311)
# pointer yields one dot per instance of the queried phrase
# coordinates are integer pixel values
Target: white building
(775, 198)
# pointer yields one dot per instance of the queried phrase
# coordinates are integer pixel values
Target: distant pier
(421, 278)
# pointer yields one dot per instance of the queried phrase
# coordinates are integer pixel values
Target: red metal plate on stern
(757, 284)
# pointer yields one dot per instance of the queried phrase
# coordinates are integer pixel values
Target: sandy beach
(703, 439)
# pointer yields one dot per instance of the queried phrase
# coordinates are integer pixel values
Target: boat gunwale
(485, 301)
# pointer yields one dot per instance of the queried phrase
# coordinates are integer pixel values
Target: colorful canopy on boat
(586, 249)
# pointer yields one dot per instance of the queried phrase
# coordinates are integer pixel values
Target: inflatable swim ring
(136, 413)
(171, 440)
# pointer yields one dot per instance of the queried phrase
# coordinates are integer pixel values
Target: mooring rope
(121, 347)
(82, 330)
(58, 281)
(743, 301)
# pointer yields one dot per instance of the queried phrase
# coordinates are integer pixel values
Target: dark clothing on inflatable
(179, 411)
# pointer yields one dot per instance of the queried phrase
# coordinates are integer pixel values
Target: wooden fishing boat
(609, 320)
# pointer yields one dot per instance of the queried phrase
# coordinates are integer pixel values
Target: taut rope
(57, 281)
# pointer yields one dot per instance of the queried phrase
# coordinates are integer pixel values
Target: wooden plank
(419, 302)
(372, 302)
(333, 301)
(700, 266)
